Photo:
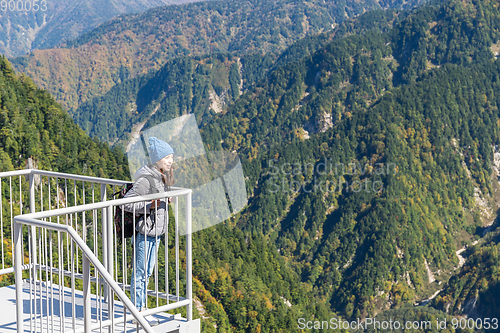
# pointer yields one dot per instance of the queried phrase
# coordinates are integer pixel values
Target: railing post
(33, 229)
(104, 237)
(110, 234)
(32, 192)
(18, 275)
(87, 314)
(110, 242)
(189, 260)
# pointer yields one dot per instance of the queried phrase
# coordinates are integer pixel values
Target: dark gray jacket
(156, 223)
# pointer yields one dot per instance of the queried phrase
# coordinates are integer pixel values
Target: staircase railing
(88, 258)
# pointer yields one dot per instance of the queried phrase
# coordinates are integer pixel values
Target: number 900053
(475, 324)
(23, 5)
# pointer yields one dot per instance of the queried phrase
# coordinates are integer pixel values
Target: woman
(153, 178)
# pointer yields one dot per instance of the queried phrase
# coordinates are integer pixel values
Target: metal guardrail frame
(32, 219)
(88, 258)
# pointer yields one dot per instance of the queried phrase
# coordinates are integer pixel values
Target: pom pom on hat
(158, 149)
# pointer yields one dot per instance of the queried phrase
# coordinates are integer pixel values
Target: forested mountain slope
(32, 124)
(417, 110)
(351, 73)
(235, 273)
(418, 101)
(38, 24)
(244, 284)
(474, 291)
(133, 44)
(204, 85)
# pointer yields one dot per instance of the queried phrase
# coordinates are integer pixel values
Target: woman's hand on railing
(157, 202)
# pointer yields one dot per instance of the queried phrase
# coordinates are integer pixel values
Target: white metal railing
(55, 190)
(66, 257)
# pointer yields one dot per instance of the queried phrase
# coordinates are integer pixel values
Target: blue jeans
(145, 252)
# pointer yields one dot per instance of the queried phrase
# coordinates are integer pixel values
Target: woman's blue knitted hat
(158, 149)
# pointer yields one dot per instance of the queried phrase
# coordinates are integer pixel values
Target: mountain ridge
(45, 24)
(218, 79)
(101, 58)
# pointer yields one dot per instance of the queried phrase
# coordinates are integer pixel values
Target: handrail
(57, 174)
(106, 204)
(23, 219)
(62, 175)
(16, 173)
(78, 177)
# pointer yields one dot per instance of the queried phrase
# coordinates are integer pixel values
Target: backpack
(128, 217)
